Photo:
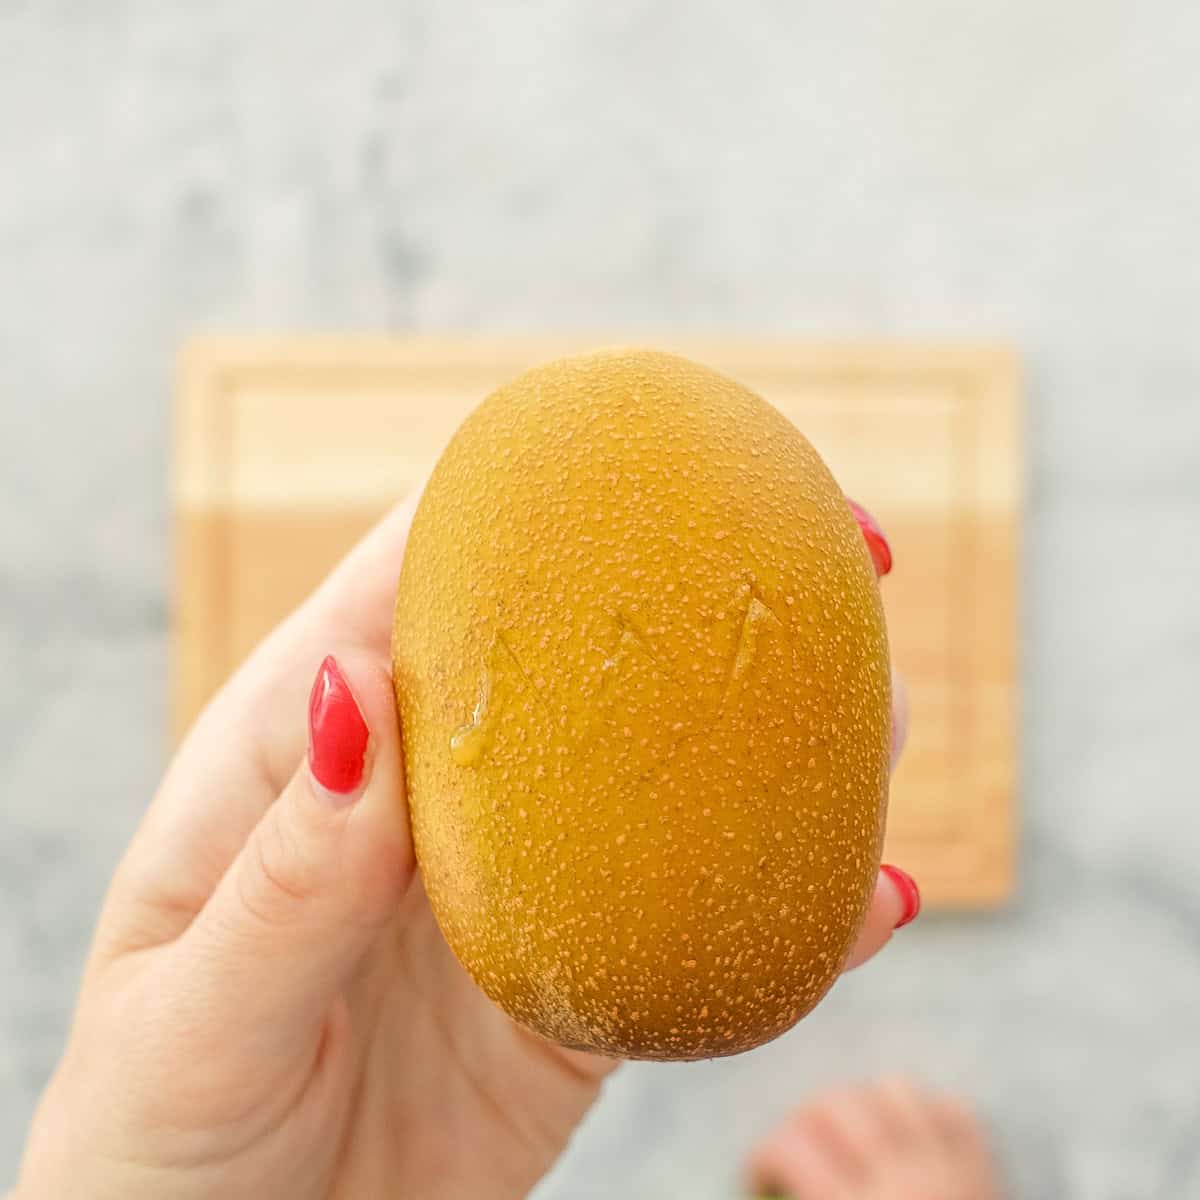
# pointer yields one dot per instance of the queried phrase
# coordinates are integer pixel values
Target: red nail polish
(337, 733)
(881, 552)
(906, 885)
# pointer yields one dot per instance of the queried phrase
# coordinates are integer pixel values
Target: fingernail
(337, 733)
(906, 885)
(877, 543)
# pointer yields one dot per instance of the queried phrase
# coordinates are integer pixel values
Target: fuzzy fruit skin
(643, 677)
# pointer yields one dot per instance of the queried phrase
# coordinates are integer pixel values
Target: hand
(887, 1141)
(269, 1009)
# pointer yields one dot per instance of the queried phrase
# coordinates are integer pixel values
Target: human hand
(268, 1008)
(890, 1140)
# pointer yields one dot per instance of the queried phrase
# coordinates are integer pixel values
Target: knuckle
(280, 880)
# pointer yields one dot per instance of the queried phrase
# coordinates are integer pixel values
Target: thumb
(319, 876)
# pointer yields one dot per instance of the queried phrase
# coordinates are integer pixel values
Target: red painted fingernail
(337, 733)
(881, 552)
(906, 885)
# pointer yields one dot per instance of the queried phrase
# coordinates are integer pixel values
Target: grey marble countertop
(1004, 170)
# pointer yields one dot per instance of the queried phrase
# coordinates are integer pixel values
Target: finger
(877, 543)
(850, 1129)
(964, 1131)
(352, 608)
(958, 1127)
(881, 557)
(245, 745)
(318, 877)
(896, 902)
(794, 1163)
(359, 595)
(906, 1111)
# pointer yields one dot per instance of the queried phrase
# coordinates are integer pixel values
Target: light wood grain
(287, 449)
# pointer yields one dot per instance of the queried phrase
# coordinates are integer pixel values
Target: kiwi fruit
(643, 680)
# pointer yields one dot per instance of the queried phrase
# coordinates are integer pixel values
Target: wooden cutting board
(287, 450)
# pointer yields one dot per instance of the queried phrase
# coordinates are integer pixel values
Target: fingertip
(379, 847)
(904, 895)
(794, 1162)
(876, 539)
(354, 745)
(324, 870)
(895, 903)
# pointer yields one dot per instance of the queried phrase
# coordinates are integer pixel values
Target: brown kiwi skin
(643, 679)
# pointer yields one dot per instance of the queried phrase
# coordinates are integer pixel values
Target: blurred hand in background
(890, 1140)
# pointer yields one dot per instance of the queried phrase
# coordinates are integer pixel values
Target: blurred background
(1000, 170)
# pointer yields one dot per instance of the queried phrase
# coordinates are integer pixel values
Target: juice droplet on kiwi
(470, 743)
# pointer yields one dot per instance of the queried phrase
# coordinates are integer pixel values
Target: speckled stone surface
(1014, 170)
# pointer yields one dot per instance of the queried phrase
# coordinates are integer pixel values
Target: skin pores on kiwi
(642, 672)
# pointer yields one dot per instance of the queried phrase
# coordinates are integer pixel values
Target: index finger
(246, 744)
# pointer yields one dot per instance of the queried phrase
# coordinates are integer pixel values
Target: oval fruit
(643, 678)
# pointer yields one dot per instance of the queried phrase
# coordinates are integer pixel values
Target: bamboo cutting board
(287, 450)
